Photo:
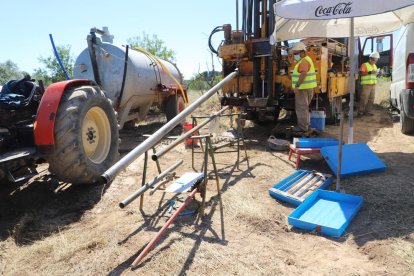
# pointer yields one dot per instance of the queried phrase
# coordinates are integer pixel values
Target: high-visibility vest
(370, 79)
(310, 81)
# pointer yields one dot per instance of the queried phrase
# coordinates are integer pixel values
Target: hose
(167, 71)
(123, 78)
(210, 45)
(58, 57)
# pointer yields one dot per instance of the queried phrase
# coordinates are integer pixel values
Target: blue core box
(326, 212)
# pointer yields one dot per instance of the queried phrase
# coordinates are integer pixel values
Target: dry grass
(211, 105)
(57, 250)
(251, 237)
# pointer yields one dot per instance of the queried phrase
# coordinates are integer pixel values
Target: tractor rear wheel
(86, 136)
(173, 105)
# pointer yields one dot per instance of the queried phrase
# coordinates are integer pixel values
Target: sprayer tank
(146, 81)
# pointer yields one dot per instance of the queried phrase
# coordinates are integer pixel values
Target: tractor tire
(173, 105)
(86, 136)
(406, 124)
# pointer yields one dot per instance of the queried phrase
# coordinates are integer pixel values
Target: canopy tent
(297, 19)
(332, 18)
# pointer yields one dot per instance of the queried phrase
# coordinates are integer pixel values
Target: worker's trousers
(366, 98)
(303, 100)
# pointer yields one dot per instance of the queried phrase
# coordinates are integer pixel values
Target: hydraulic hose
(210, 45)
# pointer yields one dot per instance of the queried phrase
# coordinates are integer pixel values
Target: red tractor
(74, 124)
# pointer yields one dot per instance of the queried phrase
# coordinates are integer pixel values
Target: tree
(204, 81)
(154, 45)
(51, 71)
(9, 71)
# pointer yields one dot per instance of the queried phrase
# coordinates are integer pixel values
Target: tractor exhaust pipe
(113, 171)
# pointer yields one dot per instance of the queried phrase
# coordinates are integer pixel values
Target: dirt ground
(52, 228)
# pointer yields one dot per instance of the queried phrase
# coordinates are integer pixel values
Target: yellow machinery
(263, 86)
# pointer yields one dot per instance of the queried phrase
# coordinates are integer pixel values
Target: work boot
(297, 129)
(312, 130)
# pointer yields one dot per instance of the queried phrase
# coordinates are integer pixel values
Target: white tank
(146, 81)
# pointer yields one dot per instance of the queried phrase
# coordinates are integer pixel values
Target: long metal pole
(149, 246)
(341, 136)
(237, 15)
(157, 155)
(352, 84)
(113, 171)
(148, 185)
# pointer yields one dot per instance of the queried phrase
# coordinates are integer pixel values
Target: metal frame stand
(215, 149)
(201, 188)
(208, 151)
(144, 176)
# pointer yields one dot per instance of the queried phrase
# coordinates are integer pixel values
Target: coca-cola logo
(340, 8)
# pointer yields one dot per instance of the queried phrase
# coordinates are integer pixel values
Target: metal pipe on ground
(148, 185)
(186, 135)
(113, 171)
(222, 115)
(149, 246)
(156, 187)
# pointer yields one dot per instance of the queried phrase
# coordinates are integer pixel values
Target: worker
(368, 73)
(303, 83)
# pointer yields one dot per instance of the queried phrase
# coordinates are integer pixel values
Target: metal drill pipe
(222, 115)
(156, 187)
(184, 136)
(113, 171)
(148, 185)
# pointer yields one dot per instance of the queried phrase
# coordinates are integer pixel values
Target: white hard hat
(300, 46)
(374, 55)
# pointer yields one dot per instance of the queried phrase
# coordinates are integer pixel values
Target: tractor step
(21, 178)
(16, 164)
(17, 154)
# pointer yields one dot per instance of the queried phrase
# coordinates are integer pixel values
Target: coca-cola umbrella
(297, 19)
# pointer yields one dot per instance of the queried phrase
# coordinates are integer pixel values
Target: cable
(210, 45)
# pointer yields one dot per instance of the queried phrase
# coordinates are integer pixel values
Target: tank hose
(167, 71)
(123, 78)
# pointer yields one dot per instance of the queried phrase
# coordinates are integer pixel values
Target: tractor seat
(17, 94)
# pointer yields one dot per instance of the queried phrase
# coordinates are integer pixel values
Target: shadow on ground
(43, 207)
(388, 201)
(388, 207)
(228, 178)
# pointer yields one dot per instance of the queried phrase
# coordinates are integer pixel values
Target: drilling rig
(264, 87)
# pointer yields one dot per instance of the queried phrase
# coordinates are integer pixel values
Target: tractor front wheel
(86, 136)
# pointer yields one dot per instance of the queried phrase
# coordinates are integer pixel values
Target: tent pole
(237, 15)
(339, 169)
(352, 84)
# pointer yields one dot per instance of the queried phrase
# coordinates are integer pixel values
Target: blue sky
(184, 25)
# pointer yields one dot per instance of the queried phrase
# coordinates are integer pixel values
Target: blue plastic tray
(314, 142)
(286, 183)
(326, 212)
(357, 159)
